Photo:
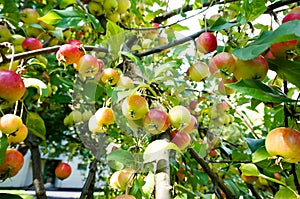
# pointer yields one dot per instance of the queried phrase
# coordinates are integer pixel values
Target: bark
(38, 183)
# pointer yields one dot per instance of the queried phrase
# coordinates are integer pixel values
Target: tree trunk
(38, 183)
(162, 177)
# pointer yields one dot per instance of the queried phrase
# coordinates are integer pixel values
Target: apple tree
(195, 100)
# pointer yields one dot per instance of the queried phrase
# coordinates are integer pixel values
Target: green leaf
(65, 3)
(253, 9)
(232, 186)
(178, 27)
(136, 60)
(259, 90)
(249, 169)
(9, 196)
(287, 70)
(51, 18)
(254, 144)
(3, 147)
(285, 193)
(121, 156)
(222, 24)
(115, 38)
(38, 84)
(287, 31)
(260, 155)
(36, 125)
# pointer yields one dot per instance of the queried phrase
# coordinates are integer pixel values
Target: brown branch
(169, 45)
(270, 8)
(279, 4)
(214, 177)
(253, 191)
(47, 50)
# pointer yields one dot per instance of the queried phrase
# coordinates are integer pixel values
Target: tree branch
(169, 45)
(46, 50)
(214, 177)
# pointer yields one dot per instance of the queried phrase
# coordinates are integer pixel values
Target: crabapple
(180, 139)
(29, 16)
(10, 123)
(206, 42)
(284, 142)
(63, 170)
(180, 116)
(68, 54)
(156, 121)
(110, 76)
(222, 64)
(135, 107)
(12, 163)
(12, 87)
(256, 68)
(198, 71)
(31, 43)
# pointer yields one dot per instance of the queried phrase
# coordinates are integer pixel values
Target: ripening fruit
(110, 76)
(93, 125)
(10, 123)
(223, 89)
(105, 116)
(256, 68)
(29, 16)
(293, 15)
(180, 116)
(63, 170)
(19, 136)
(5, 34)
(135, 107)
(192, 126)
(249, 179)
(68, 54)
(12, 87)
(198, 71)
(206, 42)
(180, 139)
(87, 65)
(222, 64)
(125, 196)
(284, 49)
(95, 8)
(31, 44)
(284, 142)
(12, 163)
(119, 179)
(156, 121)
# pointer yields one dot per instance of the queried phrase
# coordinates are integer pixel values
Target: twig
(47, 50)
(215, 178)
(169, 45)
(253, 191)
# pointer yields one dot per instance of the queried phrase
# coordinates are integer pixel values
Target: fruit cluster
(114, 10)
(220, 115)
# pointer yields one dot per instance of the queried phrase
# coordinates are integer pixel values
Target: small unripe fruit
(19, 136)
(29, 16)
